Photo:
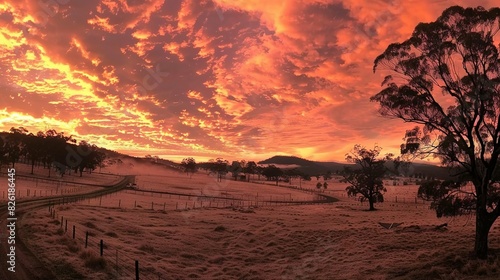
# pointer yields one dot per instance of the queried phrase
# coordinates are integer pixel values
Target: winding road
(27, 265)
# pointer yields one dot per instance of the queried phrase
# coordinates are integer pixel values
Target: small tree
(189, 165)
(366, 181)
(325, 185)
(319, 185)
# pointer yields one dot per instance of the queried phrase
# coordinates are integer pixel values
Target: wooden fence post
(136, 270)
(102, 246)
(86, 239)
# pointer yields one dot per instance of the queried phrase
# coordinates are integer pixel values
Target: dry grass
(335, 241)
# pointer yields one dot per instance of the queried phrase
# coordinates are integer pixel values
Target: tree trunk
(32, 166)
(484, 221)
(370, 200)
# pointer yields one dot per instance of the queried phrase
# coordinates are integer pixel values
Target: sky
(237, 79)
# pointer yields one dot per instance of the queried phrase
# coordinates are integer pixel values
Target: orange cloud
(231, 78)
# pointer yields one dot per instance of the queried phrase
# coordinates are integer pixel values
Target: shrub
(92, 261)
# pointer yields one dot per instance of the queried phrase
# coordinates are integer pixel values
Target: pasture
(249, 240)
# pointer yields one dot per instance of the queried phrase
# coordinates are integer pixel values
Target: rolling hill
(314, 168)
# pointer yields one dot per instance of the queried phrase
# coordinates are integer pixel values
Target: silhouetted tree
(15, 144)
(88, 157)
(366, 181)
(458, 56)
(250, 169)
(189, 165)
(219, 166)
(3, 153)
(272, 173)
(33, 145)
(235, 169)
(56, 150)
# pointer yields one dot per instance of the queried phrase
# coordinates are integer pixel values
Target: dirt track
(27, 265)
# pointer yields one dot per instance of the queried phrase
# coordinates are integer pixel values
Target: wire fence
(99, 255)
(153, 200)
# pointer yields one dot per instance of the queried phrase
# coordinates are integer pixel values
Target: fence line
(181, 202)
(98, 255)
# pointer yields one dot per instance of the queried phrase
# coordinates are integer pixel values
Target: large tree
(33, 145)
(365, 180)
(447, 80)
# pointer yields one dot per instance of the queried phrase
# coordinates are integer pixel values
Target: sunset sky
(238, 79)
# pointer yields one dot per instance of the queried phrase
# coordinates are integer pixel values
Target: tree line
(51, 149)
(243, 169)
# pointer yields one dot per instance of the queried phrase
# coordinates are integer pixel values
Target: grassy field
(30, 186)
(339, 240)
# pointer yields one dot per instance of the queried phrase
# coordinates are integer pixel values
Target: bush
(220, 228)
(92, 261)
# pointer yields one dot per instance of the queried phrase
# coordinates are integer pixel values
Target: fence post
(136, 270)
(102, 246)
(86, 238)
(73, 231)
(117, 271)
(62, 221)
(66, 227)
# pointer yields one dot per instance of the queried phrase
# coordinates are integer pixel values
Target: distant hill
(314, 168)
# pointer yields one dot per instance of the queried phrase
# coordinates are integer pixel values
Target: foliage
(448, 197)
